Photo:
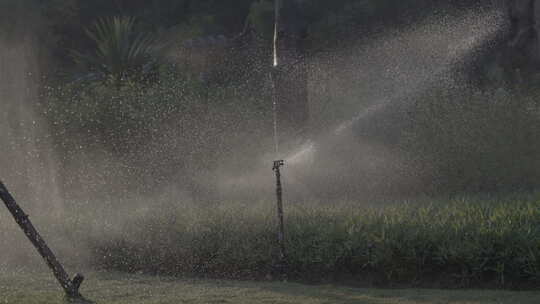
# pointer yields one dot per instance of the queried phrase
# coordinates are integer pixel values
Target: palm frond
(120, 51)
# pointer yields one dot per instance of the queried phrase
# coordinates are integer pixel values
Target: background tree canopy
(68, 19)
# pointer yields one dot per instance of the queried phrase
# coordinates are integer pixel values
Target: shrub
(463, 141)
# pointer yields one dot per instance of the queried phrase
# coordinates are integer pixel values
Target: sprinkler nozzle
(278, 164)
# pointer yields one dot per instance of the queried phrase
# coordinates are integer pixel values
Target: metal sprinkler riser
(282, 261)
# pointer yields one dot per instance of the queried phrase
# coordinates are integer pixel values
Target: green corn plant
(461, 243)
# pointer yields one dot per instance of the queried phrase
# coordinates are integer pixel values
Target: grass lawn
(25, 288)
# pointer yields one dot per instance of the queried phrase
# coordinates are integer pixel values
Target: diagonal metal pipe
(71, 287)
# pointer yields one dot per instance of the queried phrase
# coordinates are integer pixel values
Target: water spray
(71, 287)
(278, 163)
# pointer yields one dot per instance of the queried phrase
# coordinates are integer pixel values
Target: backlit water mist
(27, 162)
(27, 159)
(367, 79)
(399, 65)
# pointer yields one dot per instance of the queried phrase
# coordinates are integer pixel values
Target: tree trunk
(290, 71)
(523, 54)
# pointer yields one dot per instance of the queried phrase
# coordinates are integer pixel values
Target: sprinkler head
(278, 164)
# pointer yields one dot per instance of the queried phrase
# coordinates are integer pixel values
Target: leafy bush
(477, 141)
(463, 140)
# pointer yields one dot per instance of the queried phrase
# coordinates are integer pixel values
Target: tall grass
(456, 243)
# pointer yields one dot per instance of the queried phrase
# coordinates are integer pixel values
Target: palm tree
(120, 52)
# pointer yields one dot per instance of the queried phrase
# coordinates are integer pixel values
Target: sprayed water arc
(367, 79)
(480, 28)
